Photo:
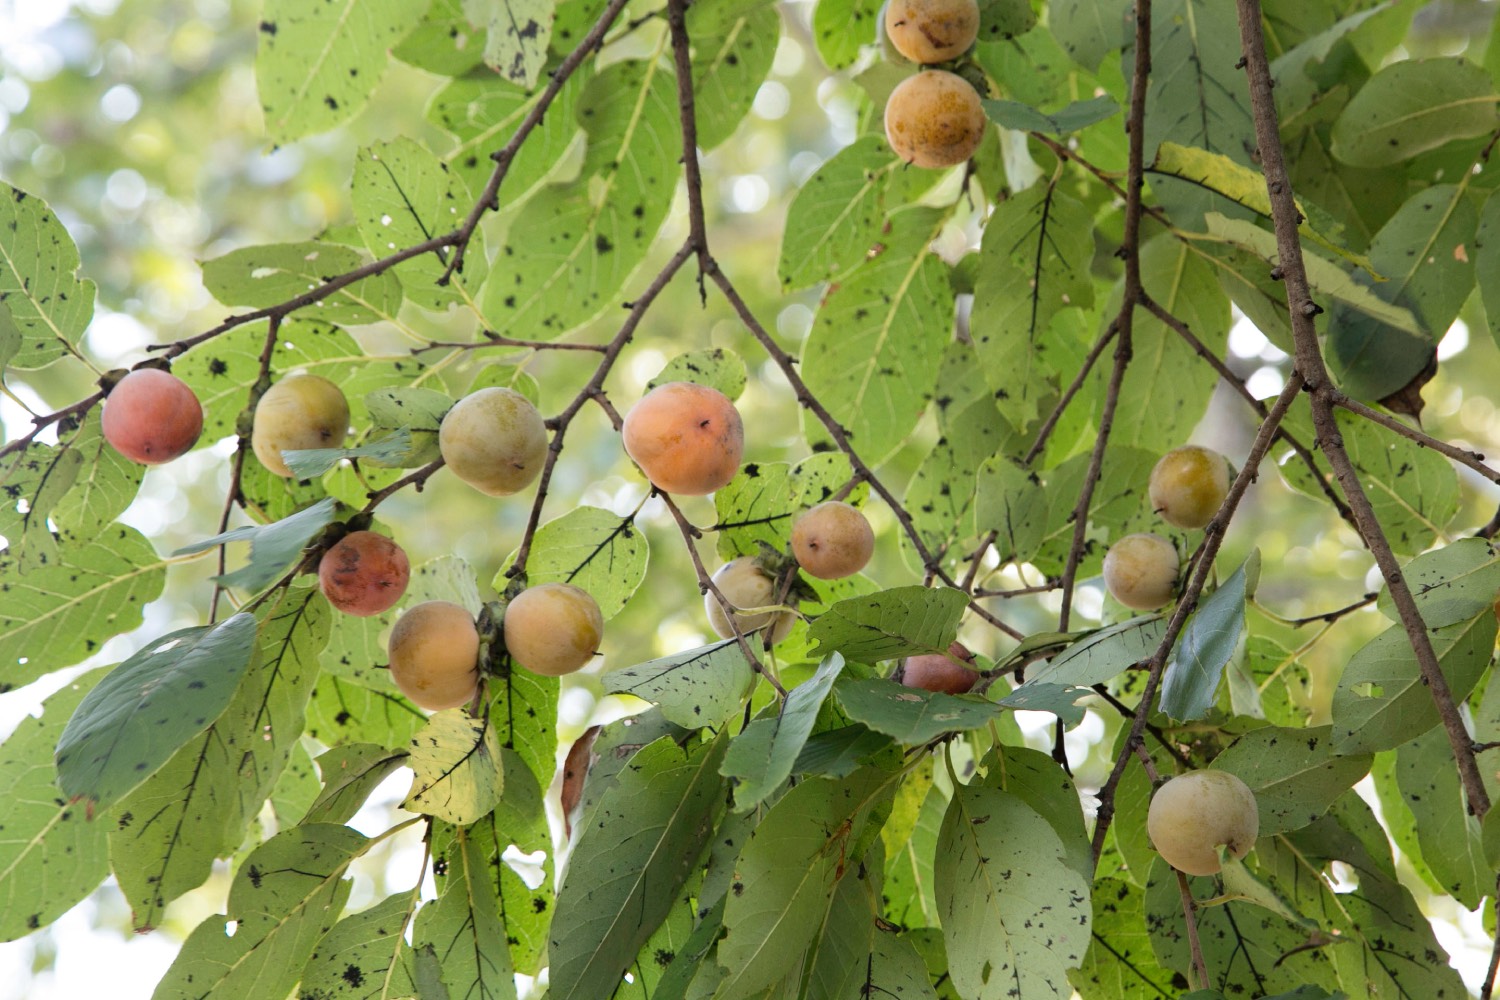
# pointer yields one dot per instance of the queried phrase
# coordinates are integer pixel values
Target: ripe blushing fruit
(745, 585)
(1188, 485)
(298, 413)
(1140, 571)
(363, 573)
(434, 654)
(553, 629)
(932, 31)
(932, 672)
(687, 438)
(1195, 813)
(494, 440)
(934, 119)
(151, 417)
(832, 540)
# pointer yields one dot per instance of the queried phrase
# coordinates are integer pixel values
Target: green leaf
(838, 753)
(523, 712)
(1057, 699)
(758, 504)
(1048, 237)
(836, 217)
(1163, 366)
(877, 341)
(1102, 654)
(641, 843)
(273, 547)
(1293, 772)
(284, 898)
(105, 484)
(1015, 915)
(1119, 964)
(483, 112)
(695, 688)
(365, 952)
(1451, 839)
(720, 369)
(456, 768)
(573, 246)
(1487, 261)
(912, 851)
(200, 803)
(404, 195)
(1197, 95)
(274, 273)
(389, 451)
(462, 926)
(443, 42)
(1045, 786)
(1381, 701)
(1412, 106)
(46, 302)
(1088, 30)
(1450, 584)
(1207, 644)
(56, 615)
(316, 65)
(589, 547)
(1249, 951)
(35, 479)
(1414, 490)
(1074, 118)
(51, 855)
(762, 756)
(910, 715)
(790, 871)
(891, 623)
(517, 35)
(350, 773)
(841, 27)
(1246, 187)
(730, 61)
(148, 706)
(342, 712)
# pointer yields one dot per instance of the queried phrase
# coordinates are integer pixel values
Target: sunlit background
(137, 121)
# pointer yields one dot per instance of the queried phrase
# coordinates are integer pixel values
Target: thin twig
(1050, 423)
(1190, 919)
(1463, 456)
(496, 340)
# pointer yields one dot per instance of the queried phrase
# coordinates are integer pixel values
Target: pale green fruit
(1140, 571)
(298, 413)
(494, 440)
(744, 584)
(1194, 814)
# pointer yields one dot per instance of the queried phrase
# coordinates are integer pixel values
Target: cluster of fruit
(933, 119)
(1188, 485)
(687, 438)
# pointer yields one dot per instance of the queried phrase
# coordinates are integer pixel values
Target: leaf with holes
(589, 547)
(694, 688)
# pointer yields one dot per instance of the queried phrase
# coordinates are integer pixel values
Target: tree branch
(1309, 360)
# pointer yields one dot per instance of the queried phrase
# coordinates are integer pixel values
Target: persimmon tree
(998, 355)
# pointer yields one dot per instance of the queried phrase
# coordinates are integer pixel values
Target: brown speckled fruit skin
(932, 31)
(364, 573)
(1188, 485)
(151, 417)
(687, 438)
(934, 119)
(932, 672)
